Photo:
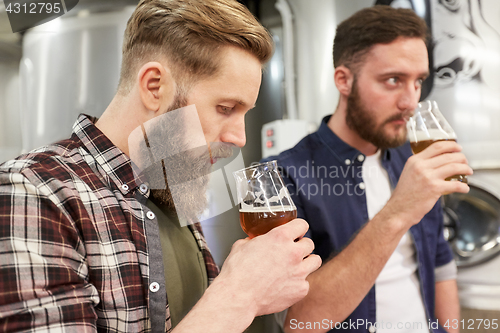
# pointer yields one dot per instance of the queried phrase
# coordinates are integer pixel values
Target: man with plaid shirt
(80, 245)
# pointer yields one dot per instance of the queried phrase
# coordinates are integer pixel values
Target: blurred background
(51, 73)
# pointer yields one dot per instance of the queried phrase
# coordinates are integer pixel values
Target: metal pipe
(288, 56)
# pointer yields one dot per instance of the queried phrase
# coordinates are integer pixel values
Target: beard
(363, 122)
(184, 190)
(186, 185)
(157, 175)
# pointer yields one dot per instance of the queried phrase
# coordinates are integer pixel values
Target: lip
(399, 122)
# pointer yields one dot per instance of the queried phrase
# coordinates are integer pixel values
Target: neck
(119, 119)
(338, 125)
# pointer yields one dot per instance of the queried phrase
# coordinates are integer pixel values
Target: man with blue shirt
(373, 207)
(88, 244)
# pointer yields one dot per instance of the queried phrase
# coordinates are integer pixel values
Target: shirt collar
(344, 152)
(112, 160)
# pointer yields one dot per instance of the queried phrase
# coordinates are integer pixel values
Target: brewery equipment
(10, 122)
(70, 65)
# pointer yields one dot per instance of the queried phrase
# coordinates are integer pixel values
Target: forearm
(338, 287)
(260, 276)
(447, 304)
(219, 310)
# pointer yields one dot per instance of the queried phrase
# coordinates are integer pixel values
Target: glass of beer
(263, 199)
(427, 126)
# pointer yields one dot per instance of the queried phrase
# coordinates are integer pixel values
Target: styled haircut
(189, 35)
(379, 24)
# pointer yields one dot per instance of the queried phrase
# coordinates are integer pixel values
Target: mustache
(194, 163)
(400, 116)
(218, 150)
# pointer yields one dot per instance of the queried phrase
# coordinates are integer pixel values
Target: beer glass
(263, 199)
(427, 126)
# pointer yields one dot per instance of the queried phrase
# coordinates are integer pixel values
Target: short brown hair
(189, 35)
(380, 24)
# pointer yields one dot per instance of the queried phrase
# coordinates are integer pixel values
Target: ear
(343, 78)
(156, 86)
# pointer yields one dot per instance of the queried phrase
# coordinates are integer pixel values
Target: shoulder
(48, 164)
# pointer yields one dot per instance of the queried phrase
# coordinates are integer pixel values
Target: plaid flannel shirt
(73, 246)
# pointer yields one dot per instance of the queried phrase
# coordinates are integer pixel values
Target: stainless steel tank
(70, 65)
(314, 29)
(10, 94)
(10, 120)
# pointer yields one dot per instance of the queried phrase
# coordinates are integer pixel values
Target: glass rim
(256, 166)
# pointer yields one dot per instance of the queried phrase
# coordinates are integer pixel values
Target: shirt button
(372, 329)
(348, 162)
(362, 186)
(361, 158)
(150, 215)
(143, 188)
(154, 287)
(125, 187)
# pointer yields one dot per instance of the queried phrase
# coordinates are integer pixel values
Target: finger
(294, 229)
(447, 158)
(453, 169)
(454, 186)
(312, 263)
(440, 147)
(306, 244)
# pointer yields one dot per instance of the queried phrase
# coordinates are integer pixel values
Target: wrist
(236, 302)
(219, 310)
(394, 221)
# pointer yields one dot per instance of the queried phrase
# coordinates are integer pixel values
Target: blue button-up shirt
(323, 175)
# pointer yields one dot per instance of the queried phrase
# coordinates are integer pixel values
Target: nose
(234, 132)
(409, 98)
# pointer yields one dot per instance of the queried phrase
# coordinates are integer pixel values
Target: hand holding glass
(263, 199)
(427, 126)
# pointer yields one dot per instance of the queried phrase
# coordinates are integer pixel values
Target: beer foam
(431, 134)
(267, 209)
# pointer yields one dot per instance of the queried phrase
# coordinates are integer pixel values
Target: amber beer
(418, 146)
(257, 221)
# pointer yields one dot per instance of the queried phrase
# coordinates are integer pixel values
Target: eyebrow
(237, 100)
(389, 74)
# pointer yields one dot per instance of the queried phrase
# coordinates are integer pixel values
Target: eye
(419, 83)
(225, 109)
(393, 81)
